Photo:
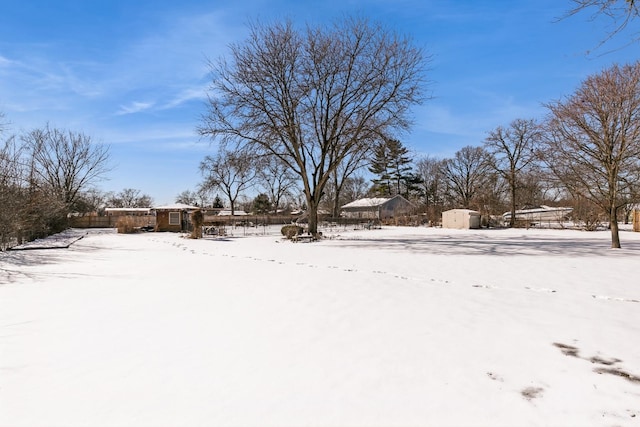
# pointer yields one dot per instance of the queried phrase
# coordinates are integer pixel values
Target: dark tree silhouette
(313, 98)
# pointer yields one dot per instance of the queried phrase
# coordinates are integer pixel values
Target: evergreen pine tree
(392, 166)
(380, 168)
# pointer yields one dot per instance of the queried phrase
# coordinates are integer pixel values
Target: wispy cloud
(134, 107)
(5, 62)
(186, 95)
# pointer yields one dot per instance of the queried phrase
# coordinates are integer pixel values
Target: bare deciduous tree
(314, 98)
(129, 198)
(354, 187)
(621, 12)
(593, 140)
(340, 179)
(466, 174)
(12, 191)
(513, 152)
(432, 186)
(232, 172)
(276, 179)
(91, 200)
(188, 197)
(65, 162)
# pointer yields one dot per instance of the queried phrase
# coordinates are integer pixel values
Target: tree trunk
(512, 220)
(335, 209)
(613, 224)
(312, 217)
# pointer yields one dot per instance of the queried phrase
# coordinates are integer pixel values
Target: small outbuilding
(176, 217)
(378, 208)
(461, 219)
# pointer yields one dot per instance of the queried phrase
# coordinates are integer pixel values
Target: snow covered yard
(398, 326)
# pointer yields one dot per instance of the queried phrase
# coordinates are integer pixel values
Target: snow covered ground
(398, 326)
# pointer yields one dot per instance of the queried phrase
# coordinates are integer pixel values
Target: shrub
(291, 230)
(197, 219)
(126, 224)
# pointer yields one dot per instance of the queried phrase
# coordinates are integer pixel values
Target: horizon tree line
(585, 153)
(327, 102)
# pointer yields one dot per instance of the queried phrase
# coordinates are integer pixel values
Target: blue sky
(132, 73)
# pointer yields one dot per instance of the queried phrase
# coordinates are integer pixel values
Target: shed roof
(373, 202)
(367, 202)
(469, 211)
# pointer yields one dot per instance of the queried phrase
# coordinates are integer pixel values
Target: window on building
(174, 218)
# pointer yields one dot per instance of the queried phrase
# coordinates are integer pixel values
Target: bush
(197, 219)
(291, 230)
(126, 224)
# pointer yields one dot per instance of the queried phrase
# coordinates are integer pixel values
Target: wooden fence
(111, 221)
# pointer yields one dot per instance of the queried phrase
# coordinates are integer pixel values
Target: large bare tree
(513, 153)
(66, 163)
(232, 172)
(316, 97)
(129, 198)
(593, 140)
(467, 174)
(432, 186)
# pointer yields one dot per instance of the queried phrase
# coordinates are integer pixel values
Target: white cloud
(134, 107)
(5, 62)
(190, 94)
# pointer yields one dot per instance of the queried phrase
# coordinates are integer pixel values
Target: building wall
(394, 207)
(162, 221)
(362, 213)
(460, 219)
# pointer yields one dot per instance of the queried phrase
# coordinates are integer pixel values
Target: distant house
(377, 208)
(176, 217)
(541, 213)
(461, 219)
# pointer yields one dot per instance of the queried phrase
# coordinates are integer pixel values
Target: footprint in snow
(483, 286)
(540, 289)
(604, 297)
(495, 377)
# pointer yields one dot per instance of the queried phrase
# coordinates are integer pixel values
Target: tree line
(324, 103)
(318, 108)
(47, 176)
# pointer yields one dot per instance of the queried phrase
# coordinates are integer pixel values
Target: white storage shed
(461, 219)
